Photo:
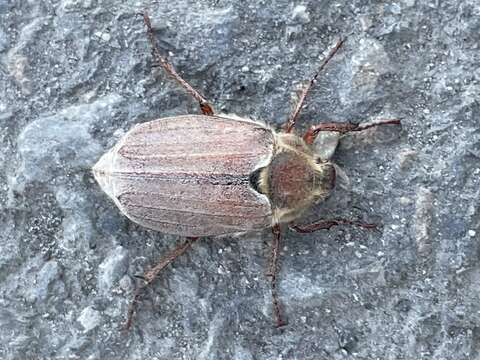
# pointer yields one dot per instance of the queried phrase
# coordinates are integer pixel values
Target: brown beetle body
(209, 175)
(199, 175)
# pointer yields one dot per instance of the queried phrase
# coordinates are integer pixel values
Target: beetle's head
(295, 179)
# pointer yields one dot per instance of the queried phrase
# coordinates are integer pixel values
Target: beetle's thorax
(295, 178)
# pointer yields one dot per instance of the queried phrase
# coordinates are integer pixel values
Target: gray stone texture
(76, 75)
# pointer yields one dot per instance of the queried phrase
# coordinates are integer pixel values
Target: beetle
(211, 174)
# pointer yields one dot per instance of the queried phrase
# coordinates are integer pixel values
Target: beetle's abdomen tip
(102, 172)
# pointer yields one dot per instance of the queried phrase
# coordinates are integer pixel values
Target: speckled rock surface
(76, 75)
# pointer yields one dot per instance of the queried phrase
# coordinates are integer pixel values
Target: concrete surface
(75, 75)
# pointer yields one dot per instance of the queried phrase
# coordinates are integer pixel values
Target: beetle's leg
(343, 128)
(327, 224)
(152, 274)
(272, 273)
(205, 106)
(289, 125)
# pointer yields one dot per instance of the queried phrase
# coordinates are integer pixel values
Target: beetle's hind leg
(272, 273)
(205, 106)
(152, 274)
(344, 128)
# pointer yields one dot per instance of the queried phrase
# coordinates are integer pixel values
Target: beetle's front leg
(344, 128)
(272, 273)
(327, 224)
(152, 274)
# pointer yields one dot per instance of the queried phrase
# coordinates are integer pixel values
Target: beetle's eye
(254, 179)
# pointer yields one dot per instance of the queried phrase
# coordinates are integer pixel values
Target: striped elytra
(198, 175)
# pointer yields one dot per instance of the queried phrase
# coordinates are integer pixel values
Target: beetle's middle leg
(205, 106)
(344, 128)
(152, 274)
(272, 273)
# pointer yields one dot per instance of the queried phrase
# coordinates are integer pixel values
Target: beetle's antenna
(205, 106)
(272, 273)
(152, 274)
(289, 125)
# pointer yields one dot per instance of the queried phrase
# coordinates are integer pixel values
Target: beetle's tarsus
(290, 124)
(151, 274)
(272, 274)
(205, 106)
(131, 308)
